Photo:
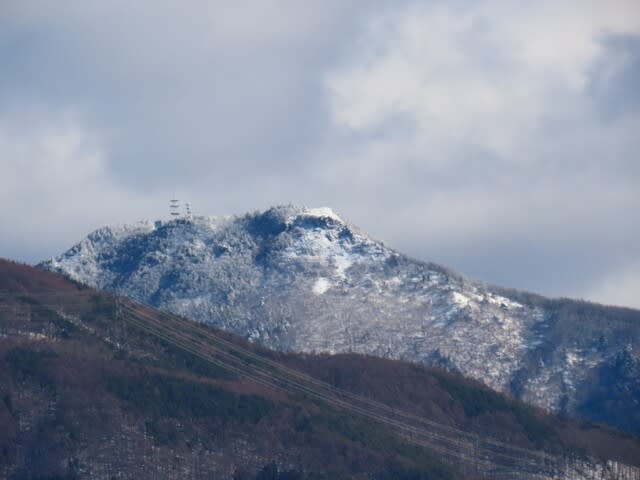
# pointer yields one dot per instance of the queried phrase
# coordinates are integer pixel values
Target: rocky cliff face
(304, 280)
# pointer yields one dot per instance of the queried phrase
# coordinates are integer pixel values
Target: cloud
(616, 75)
(475, 75)
(53, 178)
(197, 94)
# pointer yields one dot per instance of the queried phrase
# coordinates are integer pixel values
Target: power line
(488, 456)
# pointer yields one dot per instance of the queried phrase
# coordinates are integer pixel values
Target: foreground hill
(93, 387)
(303, 280)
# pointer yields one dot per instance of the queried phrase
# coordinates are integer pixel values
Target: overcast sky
(500, 138)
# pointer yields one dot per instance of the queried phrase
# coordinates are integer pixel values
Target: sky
(499, 138)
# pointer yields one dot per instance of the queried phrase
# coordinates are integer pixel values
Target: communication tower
(174, 207)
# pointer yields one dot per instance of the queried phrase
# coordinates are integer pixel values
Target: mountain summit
(303, 279)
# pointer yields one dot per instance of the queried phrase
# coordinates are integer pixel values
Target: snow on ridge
(322, 212)
(121, 231)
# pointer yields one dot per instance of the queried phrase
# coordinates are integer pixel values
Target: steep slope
(303, 280)
(91, 388)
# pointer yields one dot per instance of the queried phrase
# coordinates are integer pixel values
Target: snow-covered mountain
(304, 280)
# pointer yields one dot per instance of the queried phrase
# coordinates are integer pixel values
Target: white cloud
(53, 178)
(482, 74)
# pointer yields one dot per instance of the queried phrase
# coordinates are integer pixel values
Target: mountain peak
(322, 212)
(290, 214)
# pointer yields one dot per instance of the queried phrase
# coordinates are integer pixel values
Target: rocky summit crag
(304, 280)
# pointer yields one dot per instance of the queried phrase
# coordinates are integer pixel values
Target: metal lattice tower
(174, 207)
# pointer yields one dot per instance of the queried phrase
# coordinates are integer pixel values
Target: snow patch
(460, 299)
(322, 212)
(342, 262)
(321, 286)
(503, 301)
(572, 358)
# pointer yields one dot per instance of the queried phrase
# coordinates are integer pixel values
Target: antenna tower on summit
(187, 209)
(174, 207)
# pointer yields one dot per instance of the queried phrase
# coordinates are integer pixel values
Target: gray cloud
(616, 75)
(499, 140)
